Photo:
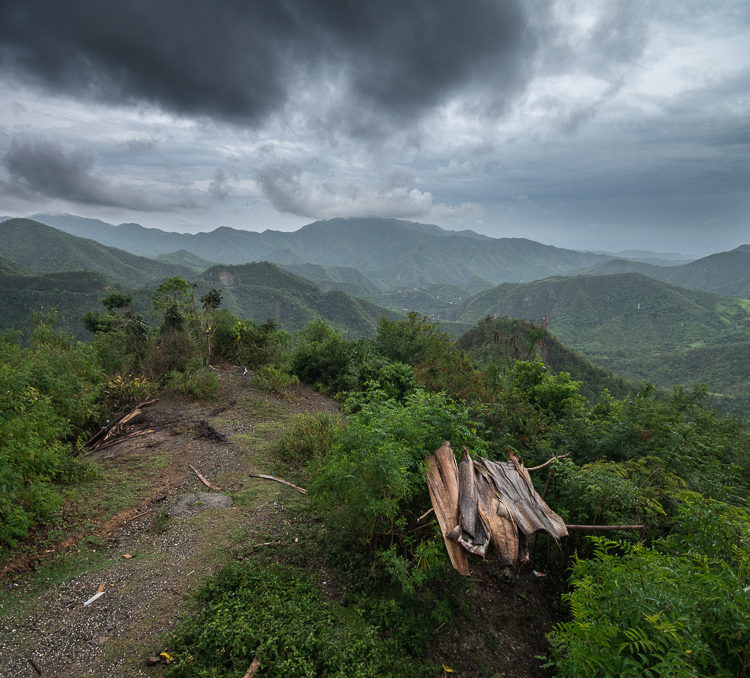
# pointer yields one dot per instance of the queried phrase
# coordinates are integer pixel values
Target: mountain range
(392, 252)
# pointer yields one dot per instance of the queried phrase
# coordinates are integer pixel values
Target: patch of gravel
(188, 505)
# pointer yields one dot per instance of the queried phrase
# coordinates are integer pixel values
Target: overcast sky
(600, 124)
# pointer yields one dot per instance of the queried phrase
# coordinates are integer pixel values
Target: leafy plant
(278, 616)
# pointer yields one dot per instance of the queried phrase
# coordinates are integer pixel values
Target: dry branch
(548, 462)
(601, 528)
(301, 490)
(202, 478)
(425, 514)
(253, 669)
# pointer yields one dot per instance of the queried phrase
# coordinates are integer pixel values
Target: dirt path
(45, 620)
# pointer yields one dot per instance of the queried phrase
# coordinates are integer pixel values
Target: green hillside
(722, 273)
(636, 326)
(46, 250)
(340, 278)
(505, 340)
(263, 290)
(71, 294)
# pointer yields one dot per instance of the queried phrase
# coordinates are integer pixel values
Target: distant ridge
(721, 273)
(44, 249)
(393, 252)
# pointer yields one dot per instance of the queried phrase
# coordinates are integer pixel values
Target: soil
(147, 559)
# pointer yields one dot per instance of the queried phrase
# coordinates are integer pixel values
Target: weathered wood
(253, 669)
(512, 483)
(502, 530)
(442, 483)
(202, 479)
(547, 463)
(299, 489)
(479, 502)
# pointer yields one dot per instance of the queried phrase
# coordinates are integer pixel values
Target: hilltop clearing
(127, 513)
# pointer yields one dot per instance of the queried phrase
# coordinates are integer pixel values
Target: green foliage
(669, 610)
(326, 360)
(372, 482)
(310, 436)
(247, 343)
(278, 616)
(197, 381)
(49, 399)
(274, 379)
(555, 395)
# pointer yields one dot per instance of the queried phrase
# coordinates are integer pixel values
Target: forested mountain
(639, 327)
(44, 249)
(502, 341)
(69, 294)
(721, 273)
(394, 252)
(263, 290)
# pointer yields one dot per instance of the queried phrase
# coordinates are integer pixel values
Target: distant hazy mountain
(186, 259)
(722, 273)
(393, 252)
(639, 327)
(44, 249)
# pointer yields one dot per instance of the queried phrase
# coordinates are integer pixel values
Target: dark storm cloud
(240, 61)
(39, 166)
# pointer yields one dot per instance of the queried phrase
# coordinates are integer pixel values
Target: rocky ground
(173, 539)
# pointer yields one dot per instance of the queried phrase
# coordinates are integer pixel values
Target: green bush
(278, 616)
(310, 436)
(49, 398)
(274, 379)
(679, 608)
(197, 381)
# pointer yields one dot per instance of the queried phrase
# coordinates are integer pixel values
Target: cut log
(442, 482)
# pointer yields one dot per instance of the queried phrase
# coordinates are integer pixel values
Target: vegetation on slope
(44, 249)
(638, 327)
(726, 273)
(668, 461)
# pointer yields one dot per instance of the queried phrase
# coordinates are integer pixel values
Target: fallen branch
(35, 666)
(602, 528)
(119, 439)
(547, 463)
(301, 490)
(253, 669)
(266, 543)
(202, 479)
(425, 514)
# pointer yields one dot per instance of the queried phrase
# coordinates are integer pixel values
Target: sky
(589, 124)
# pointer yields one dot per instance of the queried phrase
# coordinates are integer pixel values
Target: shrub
(275, 379)
(197, 381)
(48, 397)
(277, 615)
(639, 611)
(310, 436)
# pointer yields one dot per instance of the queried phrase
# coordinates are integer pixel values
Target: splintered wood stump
(480, 501)
(442, 481)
